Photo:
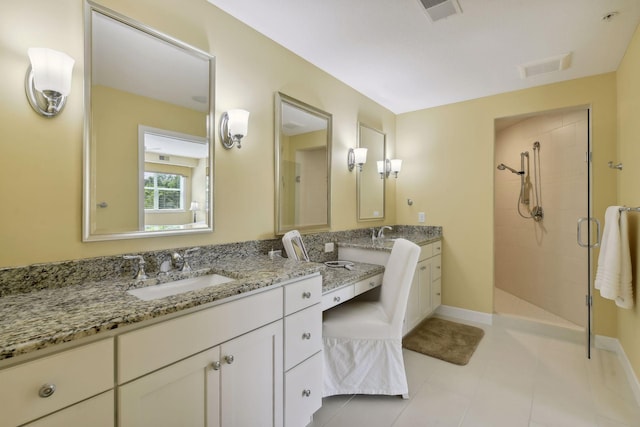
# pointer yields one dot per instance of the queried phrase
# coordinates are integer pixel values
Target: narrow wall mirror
(303, 159)
(148, 157)
(371, 185)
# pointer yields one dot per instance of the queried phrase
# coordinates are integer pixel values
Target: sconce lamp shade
(356, 156)
(396, 166)
(51, 70)
(360, 156)
(234, 125)
(48, 80)
(380, 164)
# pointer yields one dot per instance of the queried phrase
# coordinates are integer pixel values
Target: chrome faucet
(181, 261)
(381, 231)
(140, 274)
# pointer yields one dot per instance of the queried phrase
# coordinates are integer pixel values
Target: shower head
(502, 167)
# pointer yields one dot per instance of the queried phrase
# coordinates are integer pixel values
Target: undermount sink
(149, 293)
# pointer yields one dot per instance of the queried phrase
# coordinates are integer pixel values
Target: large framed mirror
(148, 152)
(303, 166)
(370, 183)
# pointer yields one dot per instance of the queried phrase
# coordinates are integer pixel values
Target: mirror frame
(87, 235)
(359, 175)
(281, 99)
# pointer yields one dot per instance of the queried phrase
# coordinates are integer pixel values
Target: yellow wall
(41, 161)
(629, 186)
(448, 171)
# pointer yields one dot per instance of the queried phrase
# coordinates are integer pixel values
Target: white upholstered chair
(363, 339)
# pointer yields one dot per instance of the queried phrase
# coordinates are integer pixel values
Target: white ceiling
(391, 51)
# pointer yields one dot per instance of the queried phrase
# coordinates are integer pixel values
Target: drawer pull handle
(438, 267)
(306, 295)
(215, 365)
(371, 284)
(229, 359)
(306, 336)
(306, 393)
(47, 390)
(336, 299)
(438, 294)
(438, 248)
(423, 268)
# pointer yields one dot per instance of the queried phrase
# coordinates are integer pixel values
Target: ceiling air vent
(544, 66)
(440, 9)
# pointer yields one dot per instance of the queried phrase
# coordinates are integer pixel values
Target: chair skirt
(364, 366)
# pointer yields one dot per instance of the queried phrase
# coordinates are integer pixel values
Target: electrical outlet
(421, 217)
(328, 247)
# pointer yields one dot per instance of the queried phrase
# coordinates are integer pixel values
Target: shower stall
(538, 262)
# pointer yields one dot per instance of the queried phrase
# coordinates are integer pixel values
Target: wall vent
(544, 66)
(440, 9)
(164, 158)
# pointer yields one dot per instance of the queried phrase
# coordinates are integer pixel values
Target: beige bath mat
(449, 341)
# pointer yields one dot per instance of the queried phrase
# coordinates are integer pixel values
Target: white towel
(613, 277)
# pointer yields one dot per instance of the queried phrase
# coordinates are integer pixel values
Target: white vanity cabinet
(426, 292)
(426, 289)
(222, 366)
(302, 351)
(63, 380)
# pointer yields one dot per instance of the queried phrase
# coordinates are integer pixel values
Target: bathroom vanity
(190, 359)
(426, 289)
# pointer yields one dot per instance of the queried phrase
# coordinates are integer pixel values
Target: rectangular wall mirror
(370, 184)
(148, 155)
(303, 172)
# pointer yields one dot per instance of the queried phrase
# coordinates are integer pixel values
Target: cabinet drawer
(437, 247)
(336, 297)
(366, 284)
(302, 335)
(426, 251)
(77, 374)
(95, 412)
(436, 267)
(303, 392)
(302, 294)
(161, 344)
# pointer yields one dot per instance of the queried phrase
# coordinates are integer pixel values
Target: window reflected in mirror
(370, 184)
(303, 151)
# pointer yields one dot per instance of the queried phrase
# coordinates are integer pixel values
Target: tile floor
(516, 377)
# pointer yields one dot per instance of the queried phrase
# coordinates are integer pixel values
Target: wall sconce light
(356, 156)
(194, 208)
(386, 167)
(48, 80)
(233, 127)
(396, 166)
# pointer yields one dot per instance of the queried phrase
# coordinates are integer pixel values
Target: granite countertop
(39, 319)
(387, 243)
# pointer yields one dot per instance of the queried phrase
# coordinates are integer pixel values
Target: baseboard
(464, 314)
(613, 344)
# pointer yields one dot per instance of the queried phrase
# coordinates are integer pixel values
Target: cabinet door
(252, 377)
(95, 412)
(424, 284)
(184, 394)
(412, 316)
